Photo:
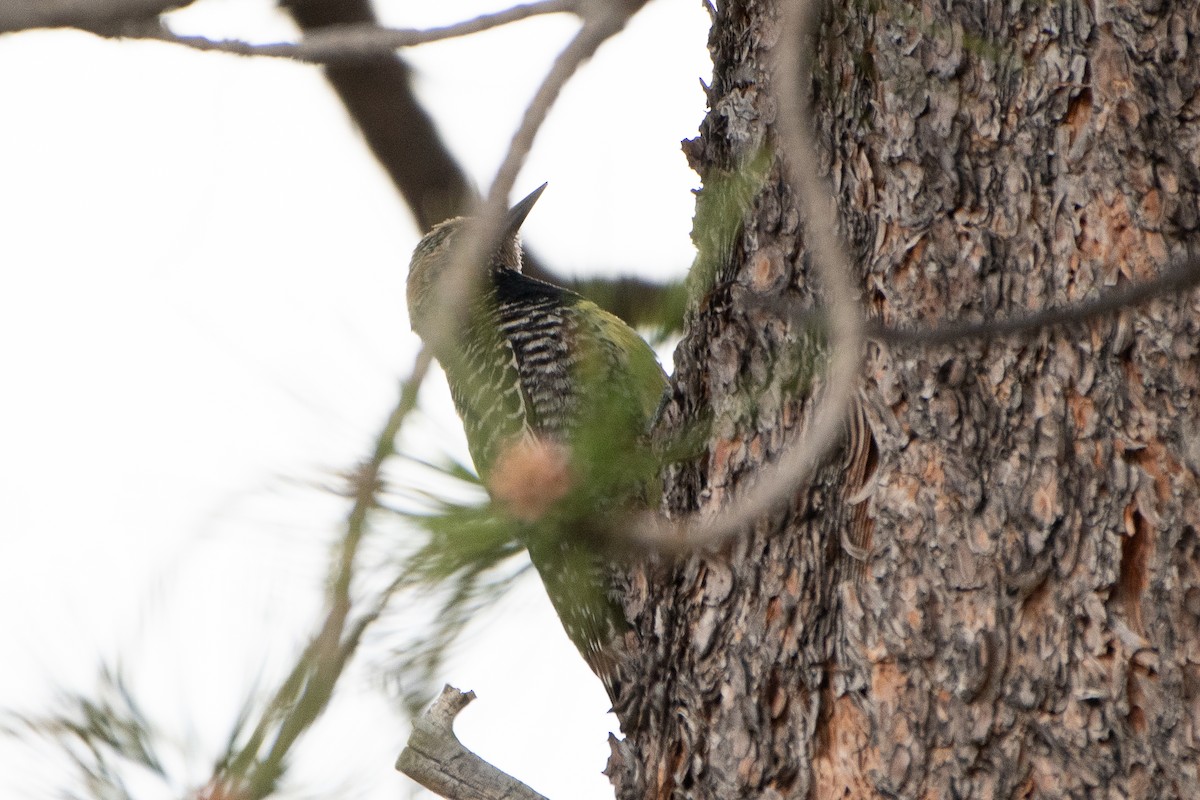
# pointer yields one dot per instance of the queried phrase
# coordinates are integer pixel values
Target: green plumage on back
(547, 384)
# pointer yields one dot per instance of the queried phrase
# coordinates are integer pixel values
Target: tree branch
(1175, 280)
(436, 759)
(94, 15)
(379, 97)
(307, 690)
(602, 21)
(800, 458)
(350, 42)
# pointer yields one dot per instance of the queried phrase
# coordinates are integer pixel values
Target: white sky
(201, 324)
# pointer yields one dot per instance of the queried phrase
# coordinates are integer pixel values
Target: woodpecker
(538, 375)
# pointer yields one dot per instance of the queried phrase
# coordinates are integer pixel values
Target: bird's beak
(517, 214)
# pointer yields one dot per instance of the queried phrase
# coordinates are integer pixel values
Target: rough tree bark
(1027, 620)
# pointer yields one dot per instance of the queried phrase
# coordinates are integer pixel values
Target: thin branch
(801, 458)
(466, 264)
(343, 43)
(1177, 279)
(436, 759)
(602, 22)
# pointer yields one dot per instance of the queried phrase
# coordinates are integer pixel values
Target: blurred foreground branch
(481, 232)
(16, 15)
(308, 688)
(801, 457)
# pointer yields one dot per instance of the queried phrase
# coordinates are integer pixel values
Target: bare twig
(603, 20)
(1177, 279)
(801, 458)
(342, 43)
(437, 760)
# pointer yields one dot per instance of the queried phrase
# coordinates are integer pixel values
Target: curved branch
(465, 268)
(800, 458)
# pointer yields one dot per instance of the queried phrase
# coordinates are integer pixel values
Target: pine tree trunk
(1027, 622)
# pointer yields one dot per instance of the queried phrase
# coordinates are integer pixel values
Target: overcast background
(202, 324)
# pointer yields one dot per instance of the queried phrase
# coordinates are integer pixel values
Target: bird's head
(433, 256)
